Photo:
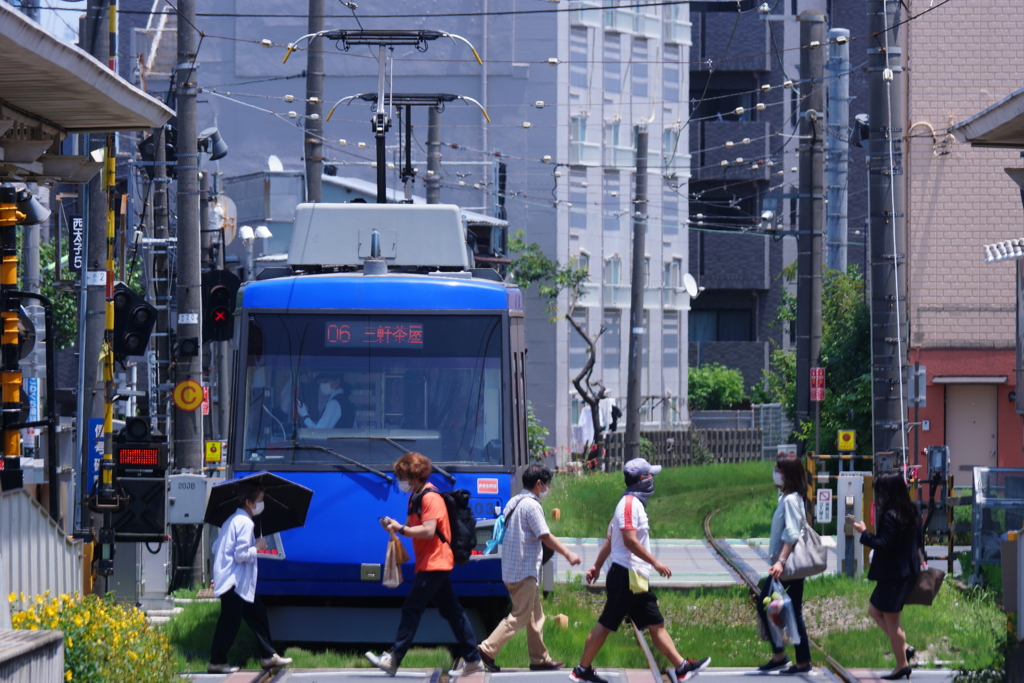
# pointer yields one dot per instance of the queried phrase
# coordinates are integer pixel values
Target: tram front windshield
(328, 389)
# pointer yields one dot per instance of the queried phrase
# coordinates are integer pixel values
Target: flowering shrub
(104, 640)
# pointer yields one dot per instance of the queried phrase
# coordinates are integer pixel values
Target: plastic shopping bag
(396, 557)
(781, 617)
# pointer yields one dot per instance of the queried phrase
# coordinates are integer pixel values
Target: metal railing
(672, 448)
(35, 555)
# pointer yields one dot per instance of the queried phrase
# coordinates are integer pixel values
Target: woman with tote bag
(895, 564)
(787, 524)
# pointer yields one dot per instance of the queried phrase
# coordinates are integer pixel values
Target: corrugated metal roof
(364, 187)
(49, 79)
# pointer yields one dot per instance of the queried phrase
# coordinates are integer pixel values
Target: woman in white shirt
(234, 581)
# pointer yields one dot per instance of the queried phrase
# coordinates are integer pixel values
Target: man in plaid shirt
(521, 551)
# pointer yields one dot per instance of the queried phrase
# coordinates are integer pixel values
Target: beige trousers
(527, 611)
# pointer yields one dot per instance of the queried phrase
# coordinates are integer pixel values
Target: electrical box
(849, 502)
(186, 498)
(938, 461)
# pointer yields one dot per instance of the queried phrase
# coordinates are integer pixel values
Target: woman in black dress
(895, 563)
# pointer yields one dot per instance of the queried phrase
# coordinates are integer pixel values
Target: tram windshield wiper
(323, 449)
(387, 439)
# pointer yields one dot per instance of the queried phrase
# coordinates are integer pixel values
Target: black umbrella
(285, 503)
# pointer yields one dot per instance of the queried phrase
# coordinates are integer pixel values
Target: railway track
(837, 668)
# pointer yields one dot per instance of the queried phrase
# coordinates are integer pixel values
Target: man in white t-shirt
(629, 546)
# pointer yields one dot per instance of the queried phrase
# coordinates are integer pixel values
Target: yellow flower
(12, 597)
(71, 643)
(67, 675)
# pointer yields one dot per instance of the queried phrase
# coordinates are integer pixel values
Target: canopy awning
(1001, 125)
(59, 85)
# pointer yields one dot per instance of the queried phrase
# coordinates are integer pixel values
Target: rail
(836, 667)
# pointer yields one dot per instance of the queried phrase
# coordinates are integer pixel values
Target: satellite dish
(274, 163)
(225, 214)
(690, 285)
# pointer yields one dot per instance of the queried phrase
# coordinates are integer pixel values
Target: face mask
(544, 493)
(257, 508)
(642, 489)
(777, 478)
(325, 388)
(405, 486)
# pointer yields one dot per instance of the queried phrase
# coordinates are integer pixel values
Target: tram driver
(339, 411)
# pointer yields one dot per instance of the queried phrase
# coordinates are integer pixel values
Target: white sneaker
(221, 669)
(386, 662)
(275, 662)
(466, 668)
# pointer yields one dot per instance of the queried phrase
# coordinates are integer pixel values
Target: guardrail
(35, 554)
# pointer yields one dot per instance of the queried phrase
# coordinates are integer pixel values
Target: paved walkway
(711, 675)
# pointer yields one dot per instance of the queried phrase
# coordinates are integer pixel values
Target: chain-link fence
(775, 427)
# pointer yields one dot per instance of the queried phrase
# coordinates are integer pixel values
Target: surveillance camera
(263, 232)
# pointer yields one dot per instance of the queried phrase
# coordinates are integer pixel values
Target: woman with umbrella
(234, 579)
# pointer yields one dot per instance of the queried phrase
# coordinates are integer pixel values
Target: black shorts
(641, 608)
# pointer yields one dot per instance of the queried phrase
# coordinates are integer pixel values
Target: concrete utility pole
(838, 155)
(188, 425)
(811, 211)
(636, 300)
(887, 232)
(433, 181)
(315, 104)
(95, 40)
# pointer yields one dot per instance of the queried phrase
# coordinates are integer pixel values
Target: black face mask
(642, 489)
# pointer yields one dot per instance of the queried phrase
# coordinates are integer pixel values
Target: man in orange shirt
(427, 524)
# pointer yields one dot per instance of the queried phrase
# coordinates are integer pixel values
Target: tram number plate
(483, 508)
(823, 510)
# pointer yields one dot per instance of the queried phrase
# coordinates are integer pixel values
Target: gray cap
(638, 466)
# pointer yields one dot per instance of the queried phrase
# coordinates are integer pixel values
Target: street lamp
(249, 235)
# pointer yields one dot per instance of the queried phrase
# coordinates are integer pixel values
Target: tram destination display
(373, 333)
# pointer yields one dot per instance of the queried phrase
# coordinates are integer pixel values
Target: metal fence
(31, 656)
(35, 555)
(775, 427)
(686, 447)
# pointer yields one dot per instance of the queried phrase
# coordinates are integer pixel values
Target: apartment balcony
(584, 153)
(652, 297)
(678, 166)
(620, 20)
(624, 158)
(648, 26)
(590, 295)
(677, 32)
(616, 296)
(585, 13)
(675, 299)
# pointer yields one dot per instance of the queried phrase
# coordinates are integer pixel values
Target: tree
(715, 387)
(534, 267)
(845, 355)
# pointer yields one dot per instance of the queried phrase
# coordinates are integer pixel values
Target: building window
(610, 201)
(671, 73)
(578, 128)
(720, 325)
(578, 199)
(674, 273)
(612, 63)
(611, 343)
(639, 67)
(670, 214)
(647, 271)
(612, 271)
(670, 340)
(577, 346)
(583, 260)
(579, 58)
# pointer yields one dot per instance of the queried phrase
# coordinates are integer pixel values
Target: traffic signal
(137, 452)
(133, 322)
(220, 288)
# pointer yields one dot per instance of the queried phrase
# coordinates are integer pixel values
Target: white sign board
(823, 510)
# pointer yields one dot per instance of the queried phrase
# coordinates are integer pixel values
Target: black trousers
(795, 591)
(436, 586)
(232, 610)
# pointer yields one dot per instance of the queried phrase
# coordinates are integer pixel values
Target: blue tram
(379, 313)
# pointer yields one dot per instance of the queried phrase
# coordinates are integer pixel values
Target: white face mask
(777, 478)
(257, 508)
(544, 493)
(325, 388)
(405, 486)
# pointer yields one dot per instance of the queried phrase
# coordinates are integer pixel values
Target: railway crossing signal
(220, 289)
(133, 322)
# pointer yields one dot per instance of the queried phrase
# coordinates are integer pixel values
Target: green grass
(682, 497)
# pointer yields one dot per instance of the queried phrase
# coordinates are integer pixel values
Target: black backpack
(460, 518)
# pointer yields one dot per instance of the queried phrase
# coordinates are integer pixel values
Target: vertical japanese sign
(76, 244)
(32, 389)
(95, 450)
(206, 400)
(818, 384)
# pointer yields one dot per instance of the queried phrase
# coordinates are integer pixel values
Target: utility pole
(887, 232)
(838, 155)
(811, 213)
(188, 427)
(636, 300)
(315, 104)
(433, 181)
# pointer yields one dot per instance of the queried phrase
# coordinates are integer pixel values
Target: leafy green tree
(535, 433)
(715, 387)
(845, 355)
